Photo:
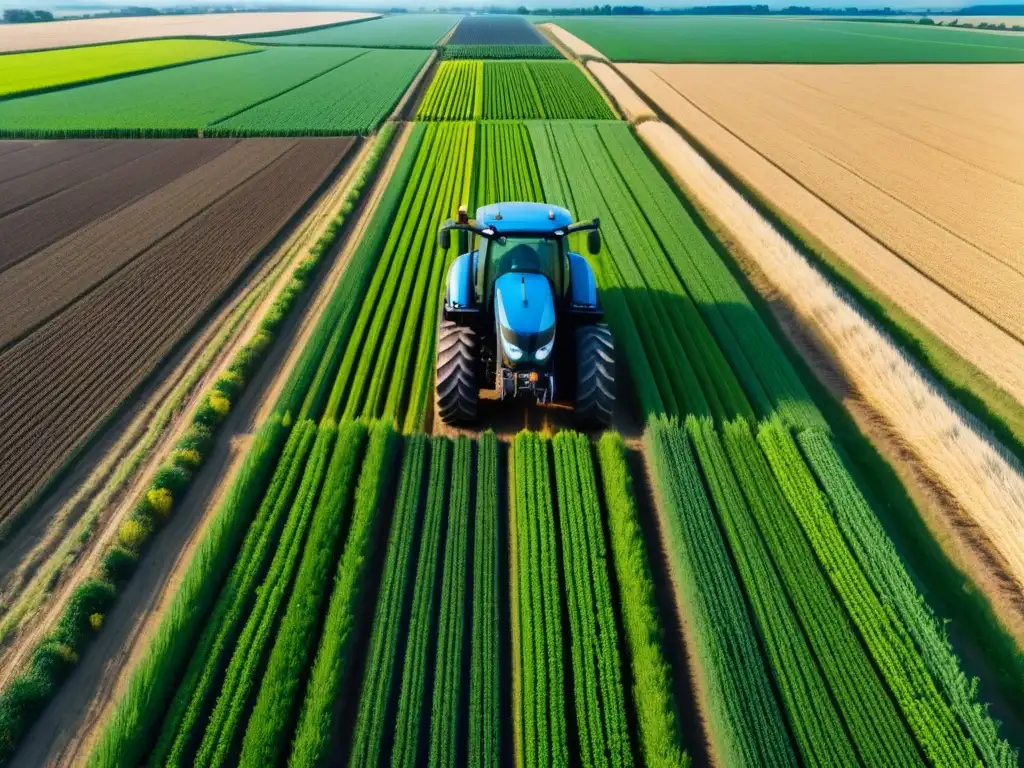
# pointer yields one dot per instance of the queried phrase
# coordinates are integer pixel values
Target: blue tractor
(521, 315)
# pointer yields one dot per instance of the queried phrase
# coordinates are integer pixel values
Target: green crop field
(698, 353)
(502, 90)
(772, 40)
(407, 30)
(172, 102)
(374, 587)
(353, 98)
(45, 70)
(455, 93)
(277, 91)
(813, 644)
(498, 51)
(526, 90)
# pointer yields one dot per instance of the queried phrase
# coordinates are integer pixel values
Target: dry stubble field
(923, 159)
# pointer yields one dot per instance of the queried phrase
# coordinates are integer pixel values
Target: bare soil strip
(989, 348)
(64, 732)
(174, 185)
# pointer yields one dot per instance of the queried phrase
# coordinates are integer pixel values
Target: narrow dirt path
(65, 730)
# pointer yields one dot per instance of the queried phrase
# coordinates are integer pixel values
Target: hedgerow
(129, 733)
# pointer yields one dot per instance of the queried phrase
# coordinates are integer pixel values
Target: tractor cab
(507, 299)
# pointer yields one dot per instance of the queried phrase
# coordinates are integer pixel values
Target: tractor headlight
(513, 352)
(542, 353)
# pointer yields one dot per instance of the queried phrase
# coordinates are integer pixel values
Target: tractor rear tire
(595, 376)
(458, 391)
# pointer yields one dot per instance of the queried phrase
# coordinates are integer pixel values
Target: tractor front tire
(458, 391)
(595, 376)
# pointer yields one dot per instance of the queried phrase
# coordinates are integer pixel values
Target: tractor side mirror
(594, 242)
(444, 239)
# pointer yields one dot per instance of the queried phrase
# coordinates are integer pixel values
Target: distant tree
(925, 20)
(23, 16)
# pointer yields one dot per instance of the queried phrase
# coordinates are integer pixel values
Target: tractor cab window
(539, 255)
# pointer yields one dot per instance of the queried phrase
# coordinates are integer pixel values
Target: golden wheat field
(912, 174)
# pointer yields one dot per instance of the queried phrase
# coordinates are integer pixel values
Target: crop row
(388, 364)
(295, 90)
(501, 90)
(455, 93)
(506, 169)
(597, 677)
(540, 89)
(559, 564)
(697, 350)
(500, 51)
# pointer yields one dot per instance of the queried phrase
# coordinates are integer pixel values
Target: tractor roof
(523, 217)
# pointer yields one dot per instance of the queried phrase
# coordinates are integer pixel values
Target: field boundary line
(103, 683)
(410, 101)
(369, 16)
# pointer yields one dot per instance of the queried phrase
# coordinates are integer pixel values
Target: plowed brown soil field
(40, 207)
(924, 160)
(116, 297)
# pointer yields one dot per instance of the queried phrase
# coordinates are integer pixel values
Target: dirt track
(68, 375)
